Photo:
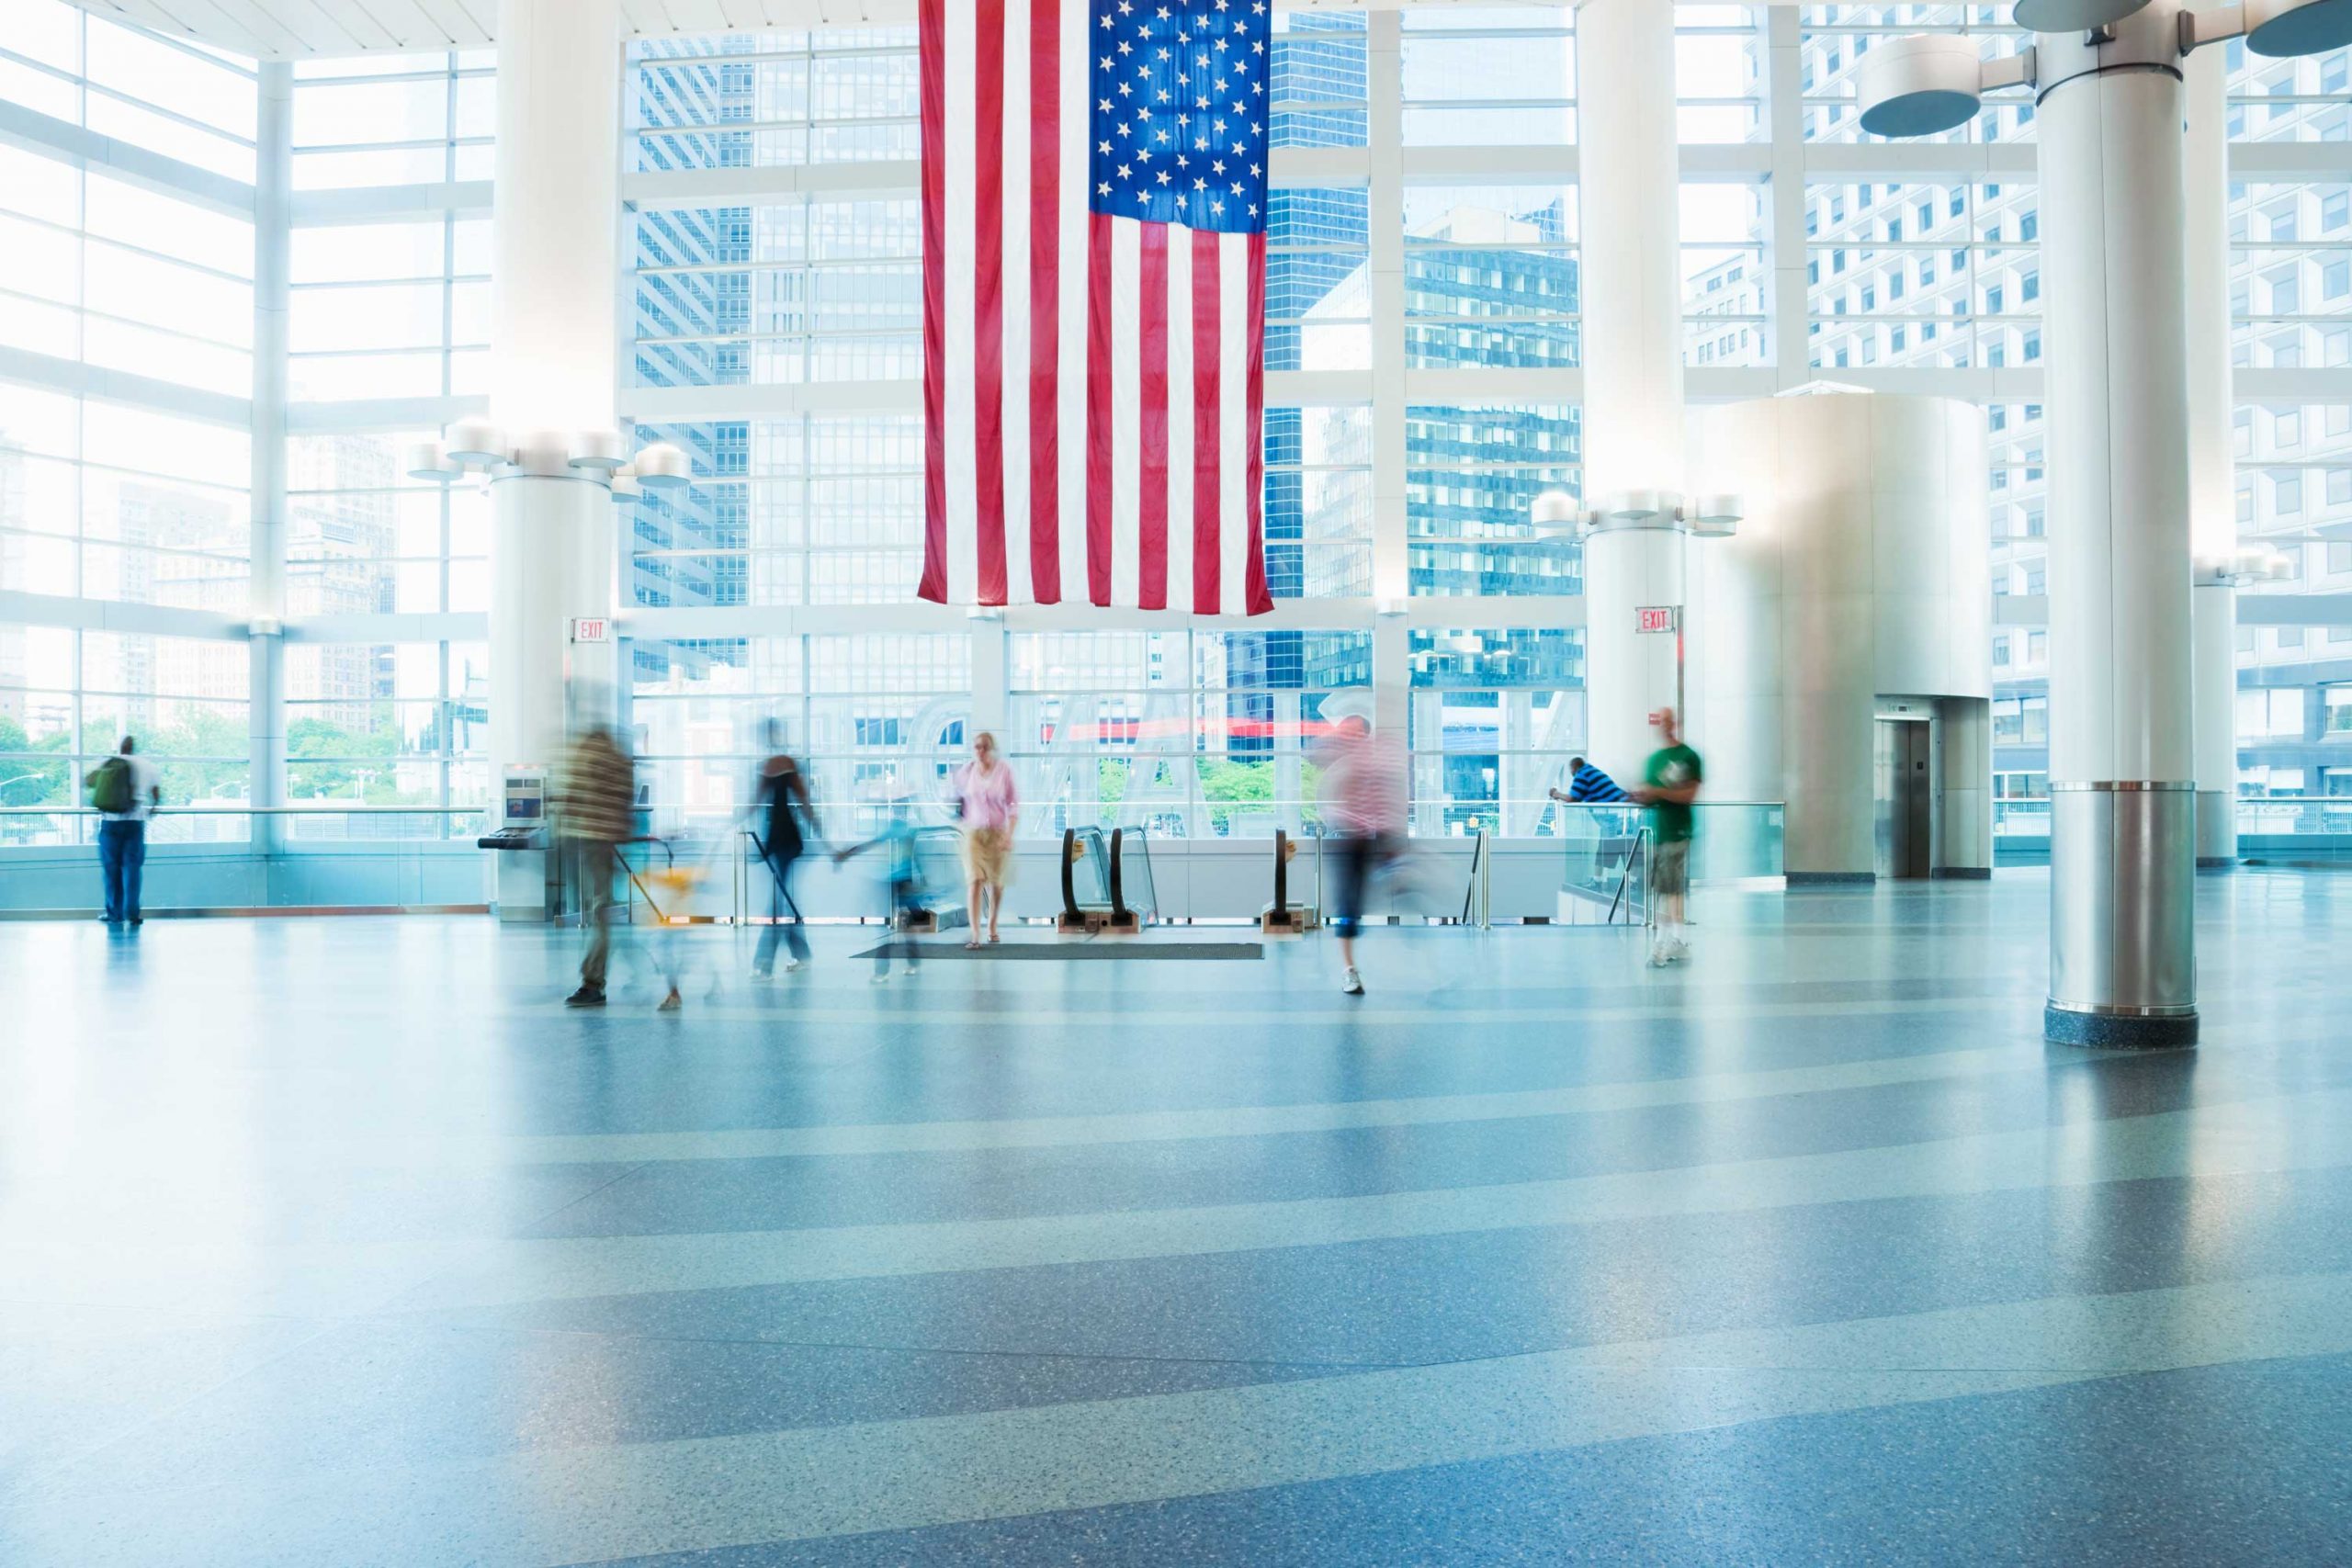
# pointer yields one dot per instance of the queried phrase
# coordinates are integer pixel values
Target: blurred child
(903, 879)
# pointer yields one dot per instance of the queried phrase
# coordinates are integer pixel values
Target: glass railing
(231, 826)
(212, 858)
(2300, 815)
(2309, 825)
(1604, 848)
(2022, 822)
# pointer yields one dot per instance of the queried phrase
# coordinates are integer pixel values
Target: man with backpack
(125, 790)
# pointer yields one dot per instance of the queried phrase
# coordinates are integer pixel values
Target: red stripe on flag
(934, 25)
(987, 296)
(1151, 527)
(1098, 409)
(1207, 472)
(1044, 300)
(1260, 600)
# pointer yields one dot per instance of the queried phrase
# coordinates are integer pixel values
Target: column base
(2118, 1031)
(1829, 878)
(2217, 830)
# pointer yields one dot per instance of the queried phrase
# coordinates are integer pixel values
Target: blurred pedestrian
(902, 890)
(1361, 796)
(596, 814)
(1587, 782)
(125, 789)
(1670, 781)
(990, 806)
(782, 796)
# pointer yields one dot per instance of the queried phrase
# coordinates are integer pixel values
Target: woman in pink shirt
(991, 809)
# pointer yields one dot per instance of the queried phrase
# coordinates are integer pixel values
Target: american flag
(1094, 301)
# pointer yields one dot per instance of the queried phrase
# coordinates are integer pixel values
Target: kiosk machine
(525, 869)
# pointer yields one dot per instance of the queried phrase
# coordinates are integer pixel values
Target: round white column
(2212, 498)
(2121, 769)
(556, 219)
(1855, 584)
(2215, 656)
(1631, 272)
(1629, 673)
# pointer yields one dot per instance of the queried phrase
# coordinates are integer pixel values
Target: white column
(2121, 772)
(554, 312)
(273, 242)
(1791, 290)
(991, 685)
(1630, 265)
(1385, 215)
(2215, 679)
(2212, 500)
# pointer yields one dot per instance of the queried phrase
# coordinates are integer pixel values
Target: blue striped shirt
(1589, 783)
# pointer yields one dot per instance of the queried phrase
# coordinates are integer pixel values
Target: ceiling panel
(305, 30)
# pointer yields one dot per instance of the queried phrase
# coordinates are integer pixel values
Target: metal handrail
(1638, 854)
(1472, 895)
(257, 810)
(669, 857)
(1319, 837)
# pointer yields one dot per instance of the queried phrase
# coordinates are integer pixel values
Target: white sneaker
(1661, 956)
(1351, 983)
(1679, 951)
(883, 978)
(792, 964)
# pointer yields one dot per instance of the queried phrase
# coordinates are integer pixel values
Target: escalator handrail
(1281, 873)
(1071, 910)
(1118, 888)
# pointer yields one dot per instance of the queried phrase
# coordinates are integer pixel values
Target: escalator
(1107, 884)
(1086, 882)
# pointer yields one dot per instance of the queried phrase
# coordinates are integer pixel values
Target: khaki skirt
(988, 855)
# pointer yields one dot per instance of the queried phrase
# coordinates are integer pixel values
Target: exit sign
(592, 628)
(1654, 618)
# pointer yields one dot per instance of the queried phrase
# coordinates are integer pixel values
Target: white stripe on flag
(1182, 457)
(1015, 292)
(1233, 424)
(1126, 405)
(1077, 158)
(961, 122)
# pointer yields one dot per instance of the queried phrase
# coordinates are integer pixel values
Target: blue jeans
(1358, 858)
(122, 852)
(780, 867)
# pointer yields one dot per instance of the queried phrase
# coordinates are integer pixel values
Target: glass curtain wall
(1187, 734)
(2291, 293)
(125, 464)
(388, 338)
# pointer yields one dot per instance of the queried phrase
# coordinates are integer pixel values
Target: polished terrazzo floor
(339, 1242)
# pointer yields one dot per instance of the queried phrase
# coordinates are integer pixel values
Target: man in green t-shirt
(1670, 781)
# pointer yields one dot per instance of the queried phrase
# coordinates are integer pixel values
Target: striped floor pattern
(339, 1242)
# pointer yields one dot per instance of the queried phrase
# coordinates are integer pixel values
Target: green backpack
(110, 784)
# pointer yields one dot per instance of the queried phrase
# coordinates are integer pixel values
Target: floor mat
(1083, 948)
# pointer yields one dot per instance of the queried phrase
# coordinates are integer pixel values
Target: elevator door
(1906, 806)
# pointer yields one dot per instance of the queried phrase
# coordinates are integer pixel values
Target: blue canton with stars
(1180, 111)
